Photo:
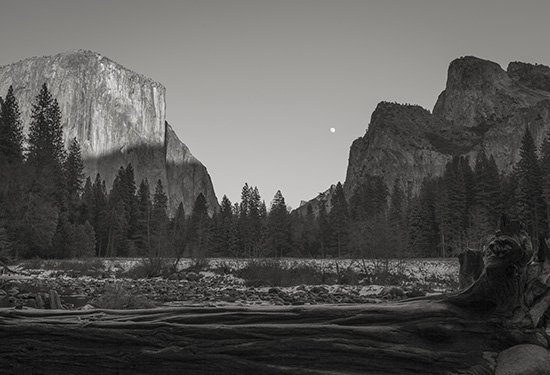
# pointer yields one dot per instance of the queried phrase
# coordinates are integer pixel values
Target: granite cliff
(118, 116)
(482, 107)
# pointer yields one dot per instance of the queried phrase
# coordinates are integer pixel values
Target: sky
(253, 87)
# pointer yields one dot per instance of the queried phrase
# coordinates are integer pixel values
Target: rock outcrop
(397, 146)
(118, 116)
(482, 107)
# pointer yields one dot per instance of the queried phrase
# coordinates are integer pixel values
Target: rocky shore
(38, 288)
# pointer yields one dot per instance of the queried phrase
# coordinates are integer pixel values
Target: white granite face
(106, 106)
(117, 115)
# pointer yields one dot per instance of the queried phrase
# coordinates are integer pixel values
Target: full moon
(332, 130)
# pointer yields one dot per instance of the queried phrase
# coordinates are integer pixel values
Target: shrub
(150, 267)
(223, 268)
(118, 298)
(198, 265)
(273, 273)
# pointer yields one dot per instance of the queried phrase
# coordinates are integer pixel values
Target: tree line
(49, 209)
(459, 209)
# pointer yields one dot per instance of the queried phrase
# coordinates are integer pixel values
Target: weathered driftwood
(471, 267)
(55, 300)
(515, 282)
(426, 337)
(477, 331)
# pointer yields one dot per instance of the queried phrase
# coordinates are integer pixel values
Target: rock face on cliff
(118, 116)
(482, 106)
(396, 145)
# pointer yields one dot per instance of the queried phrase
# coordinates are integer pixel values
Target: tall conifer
(46, 152)
(339, 220)
(11, 129)
(529, 198)
(278, 226)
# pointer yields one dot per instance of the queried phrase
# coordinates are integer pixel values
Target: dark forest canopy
(48, 208)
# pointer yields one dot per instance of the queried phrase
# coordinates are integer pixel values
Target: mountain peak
(403, 118)
(473, 72)
(482, 107)
(534, 76)
(79, 60)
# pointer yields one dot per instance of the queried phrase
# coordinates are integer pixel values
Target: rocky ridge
(117, 115)
(482, 107)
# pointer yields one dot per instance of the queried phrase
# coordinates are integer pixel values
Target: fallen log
(427, 337)
(482, 330)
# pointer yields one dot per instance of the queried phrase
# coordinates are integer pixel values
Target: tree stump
(55, 300)
(471, 267)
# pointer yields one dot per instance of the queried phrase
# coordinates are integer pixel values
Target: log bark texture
(416, 337)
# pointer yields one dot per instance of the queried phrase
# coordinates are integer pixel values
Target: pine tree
(11, 130)
(62, 246)
(5, 244)
(45, 133)
(529, 197)
(117, 227)
(545, 170)
(278, 227)
(178, 233)
(245, 200)
(74, 169)
(263, 211)
(339, 220)
(160, 200)
(227, 241)
(98, 215)
(117, 222)
(369, 199)
(34, 229)
(379, 196)
(545, 155)
(325, 229)
(86, 202)
(307, 238)
(246, 220)
(46, 151)
(469, 184)
(14, 191)
(397, 218)
(423, 229)
(255, 223)
(159, 221)
(73, 240)
(416, 239)
(226, 208)
(358, 205)
(130, 203)
(454, 218)
(74, 175)
(143, 231)
(198, 229)
(86, 237)
(485, 209)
